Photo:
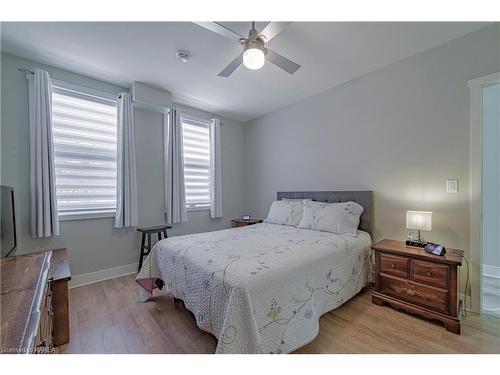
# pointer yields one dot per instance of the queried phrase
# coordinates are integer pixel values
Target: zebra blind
(85, 148)
(196, 145)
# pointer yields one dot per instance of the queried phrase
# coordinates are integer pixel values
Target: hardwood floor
(107, 317)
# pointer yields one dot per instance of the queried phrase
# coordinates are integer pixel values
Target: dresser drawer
(394, 265)
(429, 272)
(427, 296)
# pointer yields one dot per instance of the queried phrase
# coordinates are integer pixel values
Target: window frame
(86, 93)
(201, 122)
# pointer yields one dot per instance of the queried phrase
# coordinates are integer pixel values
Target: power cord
(371, 284)
(466, 287)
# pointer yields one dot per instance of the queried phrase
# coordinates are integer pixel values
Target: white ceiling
(122, 52)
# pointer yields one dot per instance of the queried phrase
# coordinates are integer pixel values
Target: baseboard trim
(101, 275)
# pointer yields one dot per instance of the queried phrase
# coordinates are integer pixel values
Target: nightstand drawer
(429, 273)
(394, 265)
(423, 295)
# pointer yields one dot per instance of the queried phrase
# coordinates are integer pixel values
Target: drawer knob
(393, 265)
(408, 291)
(428, 273)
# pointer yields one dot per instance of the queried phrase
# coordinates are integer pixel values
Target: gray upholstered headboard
(364, 198)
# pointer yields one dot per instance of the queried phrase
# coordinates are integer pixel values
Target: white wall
(400, 131)
(94, 244)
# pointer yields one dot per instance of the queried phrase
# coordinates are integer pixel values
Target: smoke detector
(183, 56)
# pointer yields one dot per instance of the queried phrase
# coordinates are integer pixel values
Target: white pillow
(296, 199)
(341, 218)
(285, 213)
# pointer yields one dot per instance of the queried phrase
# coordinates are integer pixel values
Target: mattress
(260, 288)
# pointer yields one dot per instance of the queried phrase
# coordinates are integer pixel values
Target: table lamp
(418, 220)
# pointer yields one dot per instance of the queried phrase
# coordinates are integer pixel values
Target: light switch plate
(452, 185)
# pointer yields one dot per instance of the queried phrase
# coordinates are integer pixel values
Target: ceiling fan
(254, 53)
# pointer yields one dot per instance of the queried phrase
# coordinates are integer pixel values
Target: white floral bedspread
(259, 288)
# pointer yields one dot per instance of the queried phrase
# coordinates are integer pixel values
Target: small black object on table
(146, 234)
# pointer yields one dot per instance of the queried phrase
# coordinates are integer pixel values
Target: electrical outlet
(452, 185)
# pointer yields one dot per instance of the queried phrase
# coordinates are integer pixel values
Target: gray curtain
(215, 170)
(175, 194)
(126, 193)
(44, 218)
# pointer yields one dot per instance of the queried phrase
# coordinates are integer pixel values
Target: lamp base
(416, 243)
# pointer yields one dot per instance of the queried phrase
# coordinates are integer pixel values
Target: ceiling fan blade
(220, 29)
(228, 70)
(282, 62)
(273, 29)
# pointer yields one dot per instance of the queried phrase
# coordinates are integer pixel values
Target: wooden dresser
(59, 276)
(34, 300)
(410, 279)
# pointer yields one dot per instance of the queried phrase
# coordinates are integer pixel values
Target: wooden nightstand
(410, 279)
(242, 223)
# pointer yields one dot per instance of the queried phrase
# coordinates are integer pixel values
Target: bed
(263, 288)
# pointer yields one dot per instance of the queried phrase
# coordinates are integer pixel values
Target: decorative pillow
(341, 218)
(296, 212)
(285, 213)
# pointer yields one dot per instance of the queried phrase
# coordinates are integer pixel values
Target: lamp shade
(419, 220)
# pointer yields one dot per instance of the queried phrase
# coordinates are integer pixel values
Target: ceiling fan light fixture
(254, 58)
(254, 53)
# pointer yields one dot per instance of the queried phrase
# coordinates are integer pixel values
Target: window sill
(189, 209)
(87, 215)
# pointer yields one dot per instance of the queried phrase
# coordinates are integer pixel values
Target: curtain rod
(25, 71)
(72, 86)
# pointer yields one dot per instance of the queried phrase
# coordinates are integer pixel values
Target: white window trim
(197, 208)
(86, 215)
(101, 95)
(200, 120)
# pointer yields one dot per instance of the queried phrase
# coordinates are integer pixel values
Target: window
(196, 145)
(85, 147)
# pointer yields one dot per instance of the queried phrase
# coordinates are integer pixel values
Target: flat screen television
(7, 221)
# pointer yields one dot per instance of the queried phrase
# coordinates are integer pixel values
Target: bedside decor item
(410, 279)
(434, 248)
(243, 223)
(418, 220)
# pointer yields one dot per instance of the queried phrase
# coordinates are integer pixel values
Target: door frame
(476, 147)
